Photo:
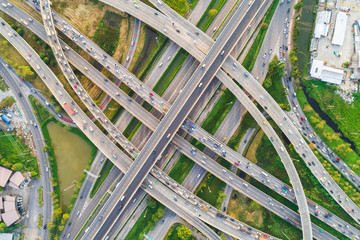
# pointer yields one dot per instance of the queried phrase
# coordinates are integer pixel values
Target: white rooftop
(325, 73)
(322, 24)
(340, 29)
(6, 236)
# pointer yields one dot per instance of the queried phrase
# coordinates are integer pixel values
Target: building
(4, 176)
(340, 29)
(10, 217)
(325, 73)
(6, 119)
(16, 179)
(322, 25)
(6, 236)
(9, 206)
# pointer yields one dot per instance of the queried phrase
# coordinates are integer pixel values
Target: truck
(204, 208)
(67, 107)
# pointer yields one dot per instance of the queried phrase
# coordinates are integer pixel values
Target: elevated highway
(110, 149)
(348, 206)
(201, 134)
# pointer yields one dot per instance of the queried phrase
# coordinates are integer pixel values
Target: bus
(67, 107)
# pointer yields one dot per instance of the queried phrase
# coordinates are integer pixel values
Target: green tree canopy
(183, 232)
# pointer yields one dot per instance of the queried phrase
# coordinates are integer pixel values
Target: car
(264, 123)
(151, 94)
(162, 221)
(45, 226)
(22, 80)
(246, 75)
(29, 54)
(286, 36)
(86, 68)
(155, 13)
(264, 55)
(2, 23)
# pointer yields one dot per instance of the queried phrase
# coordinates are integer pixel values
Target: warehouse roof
(325, 73)
(322, 24)
(340, 29)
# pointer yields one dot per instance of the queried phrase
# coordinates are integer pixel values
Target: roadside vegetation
(179, 6)
(40, 195)
(40, 221)
(273, 83)
(108, 33)
(153, 212)
(254, 50)
(328, 135)
(345, 115)
(210, 14)
(103, 174)
(211, 190)
(17, 161)
(7, 102)
(59, 218)
(179, 232)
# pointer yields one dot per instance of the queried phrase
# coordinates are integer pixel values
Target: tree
(46, 148)
(57, 109)
(52, 63)
(20, 31)
(213, 12)
(183, 232)
(13, 26)
(38, 42)
(298, 6)
(17, 167)
(35, 38)
(267, 83)
(151, 203)
(264, 26)
(2, 227)
(46, 60)
(26, 72)
(42, 55)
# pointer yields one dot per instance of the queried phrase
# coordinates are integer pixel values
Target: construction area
(335, 46)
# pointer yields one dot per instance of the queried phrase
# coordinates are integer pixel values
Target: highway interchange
(240, 73)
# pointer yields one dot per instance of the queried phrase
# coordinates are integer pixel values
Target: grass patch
(211, 190)
(181, 169)
(3, 86)
(108, 33)
(16, 156)
(327, 134)
(346, 116)
(219, 112)
(255, 143)
(40, 221)
(146, 222)
(179, 6)
(247, 122)
(253, 52)
(40, 195)
(210, 14)
(103, 174)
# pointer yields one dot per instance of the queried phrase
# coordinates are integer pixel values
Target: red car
(337, 158)
(29, 54)
(22, 80)
(74, 86)
(302, 119)
(236, 164)
(151, 94)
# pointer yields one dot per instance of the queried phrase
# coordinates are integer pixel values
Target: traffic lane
(240, 185)
(130, 182)
(279, 147)
(128, 211)
(11, 79)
